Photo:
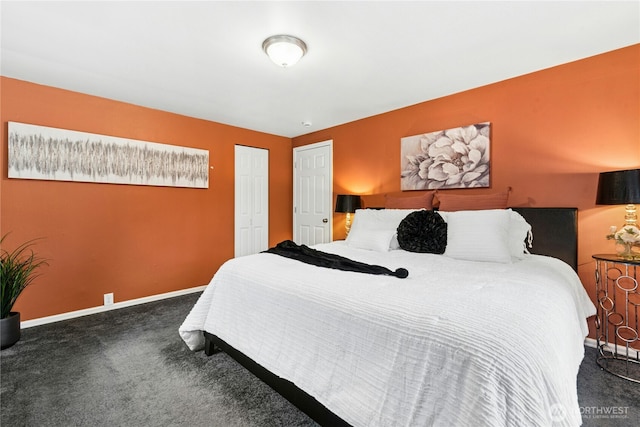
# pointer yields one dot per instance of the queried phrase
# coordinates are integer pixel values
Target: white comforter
(457, 343)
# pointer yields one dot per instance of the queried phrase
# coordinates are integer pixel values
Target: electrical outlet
(108, 299)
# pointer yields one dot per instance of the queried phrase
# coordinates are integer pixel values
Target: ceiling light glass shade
(284, 50)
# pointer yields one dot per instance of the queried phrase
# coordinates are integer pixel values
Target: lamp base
(630, 216)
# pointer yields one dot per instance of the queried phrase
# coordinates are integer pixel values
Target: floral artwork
(452, 158)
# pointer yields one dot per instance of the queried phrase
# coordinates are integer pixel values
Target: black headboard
(555, 232)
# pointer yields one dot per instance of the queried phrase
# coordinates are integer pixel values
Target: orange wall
(131, 240)
(552, 132)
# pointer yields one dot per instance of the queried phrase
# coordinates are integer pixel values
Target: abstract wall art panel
(452, 158)
(39, 152)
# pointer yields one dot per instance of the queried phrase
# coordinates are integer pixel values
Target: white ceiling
(204, 59)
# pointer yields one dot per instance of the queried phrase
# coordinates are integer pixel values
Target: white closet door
(313, 193)
(251, 200)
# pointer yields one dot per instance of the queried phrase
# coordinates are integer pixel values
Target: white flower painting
(452, 158)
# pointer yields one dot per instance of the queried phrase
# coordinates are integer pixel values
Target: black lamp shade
(619, 187)
(347, 203)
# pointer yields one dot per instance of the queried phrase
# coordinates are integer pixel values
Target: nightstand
(618, 317)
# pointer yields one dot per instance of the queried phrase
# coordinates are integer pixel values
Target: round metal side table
(618, 317)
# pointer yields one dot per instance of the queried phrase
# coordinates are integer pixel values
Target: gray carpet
(128, 367)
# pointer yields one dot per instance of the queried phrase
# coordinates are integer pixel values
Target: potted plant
(17, 271)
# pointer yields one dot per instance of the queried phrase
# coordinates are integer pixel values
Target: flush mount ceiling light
(284, 50)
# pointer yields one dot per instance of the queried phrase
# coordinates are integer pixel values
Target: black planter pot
(10, 330)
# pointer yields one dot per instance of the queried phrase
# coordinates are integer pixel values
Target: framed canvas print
(452, 158)
(46, 153)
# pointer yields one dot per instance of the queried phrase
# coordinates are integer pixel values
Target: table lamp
(348, 203)
(621, 188)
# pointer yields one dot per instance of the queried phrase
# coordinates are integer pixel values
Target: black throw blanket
(307, 255)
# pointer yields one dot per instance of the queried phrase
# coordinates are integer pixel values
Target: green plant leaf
(18, 269)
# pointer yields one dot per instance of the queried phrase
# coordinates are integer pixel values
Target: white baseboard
(591, 342)
(103, 308)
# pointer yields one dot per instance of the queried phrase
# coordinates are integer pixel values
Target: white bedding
(457, 343)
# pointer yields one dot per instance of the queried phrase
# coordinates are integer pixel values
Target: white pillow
(519, 230)
(373, 240)
(479, 235)
(375, 229)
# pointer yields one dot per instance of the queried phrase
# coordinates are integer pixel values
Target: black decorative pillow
(423, 231)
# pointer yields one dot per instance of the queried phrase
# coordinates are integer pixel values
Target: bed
(460, 341)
